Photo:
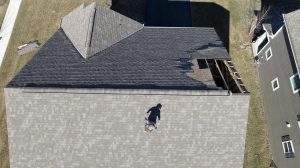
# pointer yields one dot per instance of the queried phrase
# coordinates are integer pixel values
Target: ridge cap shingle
(92, 28)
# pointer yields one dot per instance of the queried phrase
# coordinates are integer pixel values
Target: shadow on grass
(177, 13)
(206, 14)
(168, 13)
(271, 12)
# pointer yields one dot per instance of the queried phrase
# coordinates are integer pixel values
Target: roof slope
(150, 58)
(93, 28)
(107, 128)
(292, 21)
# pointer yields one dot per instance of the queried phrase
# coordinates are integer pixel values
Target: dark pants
(152, 119)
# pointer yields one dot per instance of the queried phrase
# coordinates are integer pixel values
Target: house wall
(281, 105)
(105, 128)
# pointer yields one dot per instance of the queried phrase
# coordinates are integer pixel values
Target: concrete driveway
(171, 13)
(8, 25)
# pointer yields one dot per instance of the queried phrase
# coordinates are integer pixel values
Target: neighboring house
(271, 13)
(82, 100)
(278, 55)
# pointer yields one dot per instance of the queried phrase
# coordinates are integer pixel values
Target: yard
(3, 8)
(41, 20)
(257, 152)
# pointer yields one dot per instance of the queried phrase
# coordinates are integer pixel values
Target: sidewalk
(8, 25)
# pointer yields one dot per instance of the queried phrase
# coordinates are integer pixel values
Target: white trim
(292, 83)
(269, 49)
(288, 33)
(293, 151)
(272, 83)
(259, 40)
(278, 31)
(298, 117)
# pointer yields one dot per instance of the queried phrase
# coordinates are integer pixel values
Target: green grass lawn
(39, 19)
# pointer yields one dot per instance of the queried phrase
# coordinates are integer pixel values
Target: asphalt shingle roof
(129, 55)
(150, 58)
(292, 25)
(92, 28)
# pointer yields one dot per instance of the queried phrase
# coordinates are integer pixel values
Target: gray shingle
(110, 27)
(92, 28)
(99, 128)
(292, 24)
(78, 26)
(150, 58)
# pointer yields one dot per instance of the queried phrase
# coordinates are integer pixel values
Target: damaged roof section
(93, 28)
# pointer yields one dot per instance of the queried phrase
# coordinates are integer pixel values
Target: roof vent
(93, 28)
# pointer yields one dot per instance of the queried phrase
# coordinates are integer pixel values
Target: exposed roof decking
(150, 58)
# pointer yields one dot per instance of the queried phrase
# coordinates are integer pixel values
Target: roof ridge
(92, 28)
(79, 33)
(118, 41)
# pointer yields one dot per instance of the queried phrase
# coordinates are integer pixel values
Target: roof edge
(123, 91)
(290, 41)
(160, 27)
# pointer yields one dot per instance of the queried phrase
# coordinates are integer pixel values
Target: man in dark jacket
(154, 113)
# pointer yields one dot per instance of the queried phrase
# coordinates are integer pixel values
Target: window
(287, 145)
(268, 54)
(295, 82)
(275, 84)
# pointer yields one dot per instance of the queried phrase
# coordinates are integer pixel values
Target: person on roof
(154, 114)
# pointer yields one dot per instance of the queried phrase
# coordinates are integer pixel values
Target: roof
(93, 28)
(292, 25)
(153, 57)
(105, 128)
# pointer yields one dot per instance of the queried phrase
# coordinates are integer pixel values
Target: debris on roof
(28, 47)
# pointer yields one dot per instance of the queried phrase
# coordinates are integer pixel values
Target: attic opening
(222, 74)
